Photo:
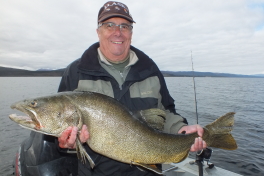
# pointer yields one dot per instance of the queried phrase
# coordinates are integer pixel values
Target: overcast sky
(224, 36)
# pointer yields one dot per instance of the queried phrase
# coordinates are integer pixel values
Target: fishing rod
(194, 89)
(205, 154)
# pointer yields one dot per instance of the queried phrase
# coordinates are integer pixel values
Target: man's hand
(68, 137)
(199, 144)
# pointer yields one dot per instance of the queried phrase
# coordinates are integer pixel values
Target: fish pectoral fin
(149, 167)
(154, 118)
(82, 154)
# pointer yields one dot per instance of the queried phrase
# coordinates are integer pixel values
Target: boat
(188, 167)
(38, 156)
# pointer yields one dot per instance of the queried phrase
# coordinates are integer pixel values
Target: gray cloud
(223, 36)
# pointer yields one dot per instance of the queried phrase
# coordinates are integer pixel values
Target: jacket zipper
(122, 76)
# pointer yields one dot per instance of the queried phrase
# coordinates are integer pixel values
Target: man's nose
(117, 31)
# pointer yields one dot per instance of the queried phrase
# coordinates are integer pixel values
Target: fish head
(49, 115)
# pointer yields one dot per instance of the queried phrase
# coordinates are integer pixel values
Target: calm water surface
(215, 97)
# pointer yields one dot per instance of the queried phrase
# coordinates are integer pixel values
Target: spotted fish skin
(114, 130)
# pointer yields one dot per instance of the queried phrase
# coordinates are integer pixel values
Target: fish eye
(33, 103)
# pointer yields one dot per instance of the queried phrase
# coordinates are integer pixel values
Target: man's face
(114, 45)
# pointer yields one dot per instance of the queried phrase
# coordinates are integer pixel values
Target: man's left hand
(199, 143)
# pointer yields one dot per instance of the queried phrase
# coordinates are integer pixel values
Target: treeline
(12, 72)
(206, 74)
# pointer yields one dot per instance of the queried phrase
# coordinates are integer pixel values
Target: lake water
(215, 97)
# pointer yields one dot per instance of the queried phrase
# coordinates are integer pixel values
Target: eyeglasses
(111, 27)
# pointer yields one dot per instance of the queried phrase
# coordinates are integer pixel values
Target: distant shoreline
(31, 74)
(12, 72)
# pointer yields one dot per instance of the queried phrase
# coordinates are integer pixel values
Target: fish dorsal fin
(149, 167)
(154, 118)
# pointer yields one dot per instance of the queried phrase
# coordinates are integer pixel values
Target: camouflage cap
(114, 9)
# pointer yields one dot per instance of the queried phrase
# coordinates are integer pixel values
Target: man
(115, 68)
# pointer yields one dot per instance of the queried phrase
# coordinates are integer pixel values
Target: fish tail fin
(218, 133)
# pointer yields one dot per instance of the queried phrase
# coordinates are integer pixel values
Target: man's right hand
(68, 137)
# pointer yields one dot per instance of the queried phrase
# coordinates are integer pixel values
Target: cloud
(223, 37)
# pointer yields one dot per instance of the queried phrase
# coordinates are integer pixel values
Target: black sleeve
(70, 78)
(167, 101)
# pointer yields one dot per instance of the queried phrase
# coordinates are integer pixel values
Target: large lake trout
(115, 132)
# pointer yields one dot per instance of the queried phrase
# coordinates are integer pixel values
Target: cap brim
(115, 15)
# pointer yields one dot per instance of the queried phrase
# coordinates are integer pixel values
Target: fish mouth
(30, 120)
(24, 121)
